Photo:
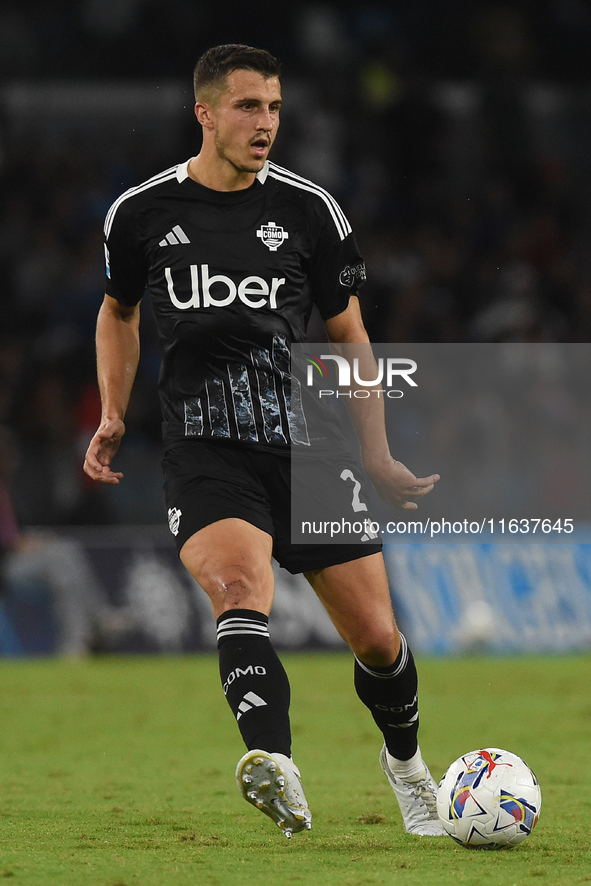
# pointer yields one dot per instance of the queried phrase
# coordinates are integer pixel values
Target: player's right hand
(101, 450)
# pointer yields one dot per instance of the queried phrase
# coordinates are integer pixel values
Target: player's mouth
(260, 146)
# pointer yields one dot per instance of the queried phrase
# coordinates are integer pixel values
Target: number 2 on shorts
(356, 504)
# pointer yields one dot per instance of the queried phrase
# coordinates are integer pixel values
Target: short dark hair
(214, 65)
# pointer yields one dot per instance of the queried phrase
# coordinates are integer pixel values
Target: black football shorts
(206, 481)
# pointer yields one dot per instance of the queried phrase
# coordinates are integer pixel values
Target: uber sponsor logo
(259, 670)
(219, 291)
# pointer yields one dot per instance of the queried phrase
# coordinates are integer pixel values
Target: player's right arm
(118, 351)
(117, 331)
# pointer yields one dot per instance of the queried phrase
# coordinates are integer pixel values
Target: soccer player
(234, 251)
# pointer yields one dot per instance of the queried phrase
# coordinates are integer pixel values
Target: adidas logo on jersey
(219, 291)
(174, 237)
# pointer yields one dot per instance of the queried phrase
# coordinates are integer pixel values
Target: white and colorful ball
(489, 799)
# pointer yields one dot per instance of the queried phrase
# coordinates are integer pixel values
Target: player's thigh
(356, 595)
(231, 560)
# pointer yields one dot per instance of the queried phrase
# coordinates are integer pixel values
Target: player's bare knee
(236, 587)
(236, 593)
(378, 647)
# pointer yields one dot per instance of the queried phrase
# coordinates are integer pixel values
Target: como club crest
(272, 235)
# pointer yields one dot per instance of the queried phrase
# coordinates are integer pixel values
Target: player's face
(246, 118)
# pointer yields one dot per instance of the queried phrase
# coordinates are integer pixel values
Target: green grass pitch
(120, 772)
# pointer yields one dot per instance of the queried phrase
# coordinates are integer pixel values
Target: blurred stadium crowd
(457, 143)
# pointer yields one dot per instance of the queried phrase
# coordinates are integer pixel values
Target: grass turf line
(119, 771)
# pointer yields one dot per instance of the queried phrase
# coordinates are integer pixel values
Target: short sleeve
(337, 269)
(126, 268)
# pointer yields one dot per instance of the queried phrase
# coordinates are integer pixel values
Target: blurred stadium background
(456, 137)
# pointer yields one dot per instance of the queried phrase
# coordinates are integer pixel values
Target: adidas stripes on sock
(391, 695)
(254, 680)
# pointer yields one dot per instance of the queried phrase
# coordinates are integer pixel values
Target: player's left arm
(394, 482)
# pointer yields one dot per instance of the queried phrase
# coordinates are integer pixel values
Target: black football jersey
(232, 277)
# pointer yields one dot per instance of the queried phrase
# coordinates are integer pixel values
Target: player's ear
(203, 112)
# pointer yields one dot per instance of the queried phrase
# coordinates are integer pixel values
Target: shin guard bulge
(390, 693)
(254, 680)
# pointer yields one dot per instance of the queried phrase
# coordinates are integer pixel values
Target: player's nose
(265, 120)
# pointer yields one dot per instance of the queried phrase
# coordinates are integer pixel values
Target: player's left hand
(398, 486)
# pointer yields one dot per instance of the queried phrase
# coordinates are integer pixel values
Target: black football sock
(391, 695)
(254, 680)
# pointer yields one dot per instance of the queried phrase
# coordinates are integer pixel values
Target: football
(489, 799)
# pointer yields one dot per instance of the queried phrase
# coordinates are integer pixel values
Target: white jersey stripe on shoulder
(129, 191)
(325, 194)
(296, 177)
(153, 179)
(156, 180)
(298, 180)
(303, 187)
(137, 189)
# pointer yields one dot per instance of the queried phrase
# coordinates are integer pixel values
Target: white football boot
(417, 800)
(272, 783)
